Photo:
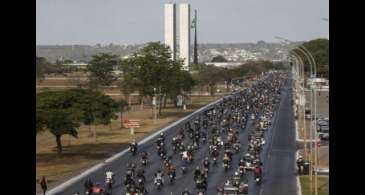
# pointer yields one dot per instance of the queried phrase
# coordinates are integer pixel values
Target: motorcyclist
(197, 173)
(141, 179)
(185, 155)
(258, 171)
(236, 179)
(184, 164)
(88, 185)
(300, 163)
(144, 157)
(159, 175)
(133, 146)
(241, 162)
(206, 162)
(226, 157)
(171, 171)
(109, 178)
(185, 192)
(131, 168)
(190, 152)
(140, 174)
(174, 143)
(215, 153)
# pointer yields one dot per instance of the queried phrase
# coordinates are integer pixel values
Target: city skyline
(136, 22)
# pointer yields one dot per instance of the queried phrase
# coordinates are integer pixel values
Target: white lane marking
(261, 191)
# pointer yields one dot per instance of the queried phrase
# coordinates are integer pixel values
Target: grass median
(323, 185)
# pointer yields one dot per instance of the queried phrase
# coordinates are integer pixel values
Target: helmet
(236, 173)
(241, 160)
(197, 168)
(161, 134)
(206, 158)
(174, 138)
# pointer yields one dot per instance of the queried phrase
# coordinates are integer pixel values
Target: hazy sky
(139, 21)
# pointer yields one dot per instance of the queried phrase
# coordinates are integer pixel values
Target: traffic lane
(280, 167)
(255, 189)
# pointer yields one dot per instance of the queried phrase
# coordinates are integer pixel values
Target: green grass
(323, 183)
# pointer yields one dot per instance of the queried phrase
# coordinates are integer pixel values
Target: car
(324, 128)
(324, 133)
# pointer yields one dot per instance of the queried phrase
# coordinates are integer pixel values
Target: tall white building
(170, 28)
(185, 34)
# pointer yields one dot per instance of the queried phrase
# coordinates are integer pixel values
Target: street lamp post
(313, 71)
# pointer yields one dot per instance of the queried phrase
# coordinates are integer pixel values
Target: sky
(89, 22)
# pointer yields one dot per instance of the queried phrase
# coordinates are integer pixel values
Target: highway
(278, 155)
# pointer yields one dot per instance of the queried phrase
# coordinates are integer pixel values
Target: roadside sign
(131, 124)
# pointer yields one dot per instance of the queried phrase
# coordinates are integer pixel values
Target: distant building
(170, 28)
(77, 65)
(185, 34)
(225, 64)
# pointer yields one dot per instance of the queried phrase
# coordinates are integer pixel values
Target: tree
(101, 70)
(210, 76)
(152, 67)
(44, 67)
(319, 49)
(61, 112)
(219, 58)
(198, 67)
(60, 122)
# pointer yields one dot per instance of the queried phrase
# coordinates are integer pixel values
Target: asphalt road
(278, 158)
(279, 166)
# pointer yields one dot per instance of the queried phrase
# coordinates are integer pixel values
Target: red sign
(129, 123)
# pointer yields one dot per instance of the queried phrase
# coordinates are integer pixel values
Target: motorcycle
(140, 186)
(206, 172)
(184, 169)
(172, 177)
(158, 183)
(225, 166)
(109, 183)
(133, 150)
(144, 162)
(258, 179)
(214, 160)
(242, 170)
(199, 184)
(236, 148)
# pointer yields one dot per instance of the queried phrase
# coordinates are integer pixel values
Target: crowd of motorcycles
(218, 128)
